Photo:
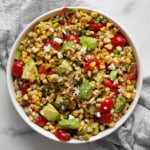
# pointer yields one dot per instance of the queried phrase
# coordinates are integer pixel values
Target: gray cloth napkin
(15, 15)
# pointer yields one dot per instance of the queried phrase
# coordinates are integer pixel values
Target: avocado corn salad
(75, 74)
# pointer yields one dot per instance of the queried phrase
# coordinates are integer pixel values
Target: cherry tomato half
(17, 69)
(109, 83)
(41, 121)
(95, 26)
(42, 69)
(54, 44)
(106, 118)
(118, 40)
(62, 135)
(63, 10)
(89, 62)
(115, 91)
(106, 105)
(133, 74)
(24, 89)
(72, 37)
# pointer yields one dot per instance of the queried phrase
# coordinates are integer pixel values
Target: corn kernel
(94, 14)
(92, 65)
(108, 46)
(107, 40)
(98, 57)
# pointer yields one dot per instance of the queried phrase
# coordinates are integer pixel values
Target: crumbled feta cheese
(25, 97)
(19, 94)
(47, 98)
(102, 66)
(30, 34)
(64, 31)
(107, 89)
(83, 50)
(91, 100)
(70, 117)
(115, 81)
(51, 29)
(47, 48)
(59, 55)
(76, 91)
(119, 48)
(112, 66)
(98, 114)
(59, 40)
(123, 68)
(106, 75)
(86, 120)
(34, 49)
(89, 57)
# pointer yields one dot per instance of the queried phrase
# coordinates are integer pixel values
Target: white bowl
(41, 130)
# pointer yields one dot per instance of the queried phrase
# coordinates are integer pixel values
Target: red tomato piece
(42, 69)
(51, 72)
(109, 83)
(87, 64)
(62, 135)
(72, 37)
(41, 121)
(54, 44)
(24, 89)
(17, 69)
(63, 10)
(115, 91)
(106, 105)
(106, 118)
(95, 35)
(118, 40)
(96, 26)
(133, 74)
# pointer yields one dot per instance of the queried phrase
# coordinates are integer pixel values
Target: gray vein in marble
(18, 132)
(129, 7)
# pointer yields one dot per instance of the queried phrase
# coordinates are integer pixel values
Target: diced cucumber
(89, 42)
(120, 104)
(18, 54)
(113, 74)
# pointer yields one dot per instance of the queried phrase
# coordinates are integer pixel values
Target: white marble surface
(15, 134)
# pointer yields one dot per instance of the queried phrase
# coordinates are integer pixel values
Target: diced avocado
(89, 42)
(95, 127)
(64, 67)
(92, 128)
(18, 54)
(84, 90)
(50, 112)
(69, 124)
(53, 77)
(83, 130)
(99, 76)
(113, 74)
(30, 71)
(67, 44)
(120, 104)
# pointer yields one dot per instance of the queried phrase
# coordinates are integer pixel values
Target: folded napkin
(15, 15)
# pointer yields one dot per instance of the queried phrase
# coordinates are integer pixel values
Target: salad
(75, 74)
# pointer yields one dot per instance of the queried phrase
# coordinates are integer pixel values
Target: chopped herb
(45, 91)
(101, 94)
